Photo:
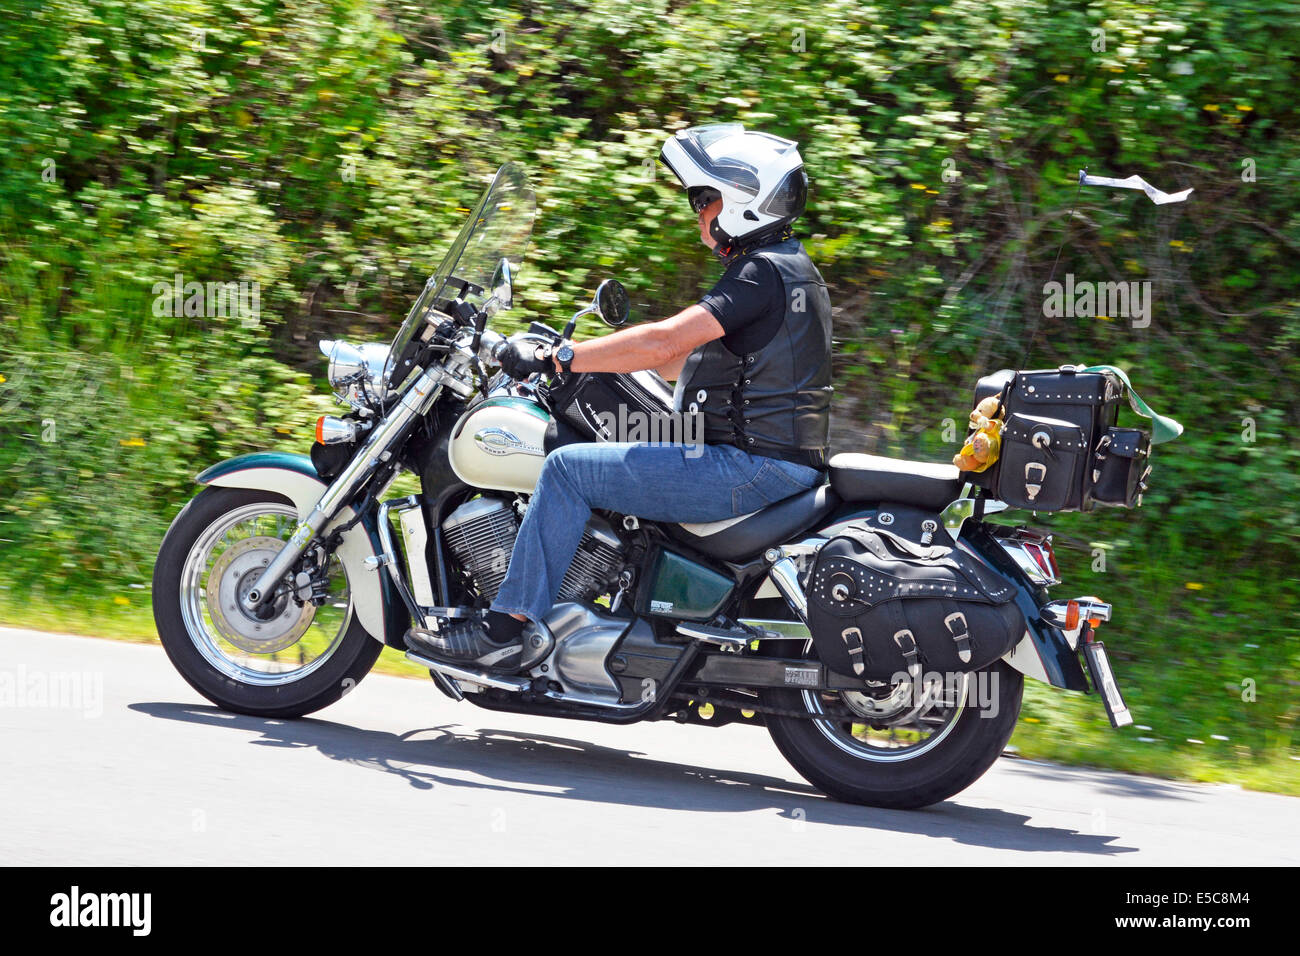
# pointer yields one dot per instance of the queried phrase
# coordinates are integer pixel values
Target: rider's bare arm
(661, 345)
(671, 371)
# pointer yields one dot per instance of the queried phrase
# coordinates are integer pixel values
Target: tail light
(1033, 555)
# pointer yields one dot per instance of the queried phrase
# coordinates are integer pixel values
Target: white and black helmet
(760, 178)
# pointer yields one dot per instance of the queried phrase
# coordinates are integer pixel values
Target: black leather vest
(776, 401)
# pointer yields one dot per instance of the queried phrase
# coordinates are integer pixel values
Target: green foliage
(326, 149)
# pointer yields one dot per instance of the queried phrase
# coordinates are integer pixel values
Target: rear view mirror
(612, 303)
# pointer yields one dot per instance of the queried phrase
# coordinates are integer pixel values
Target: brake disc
(277, 624)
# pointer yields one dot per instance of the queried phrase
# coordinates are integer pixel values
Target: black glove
(519, 358)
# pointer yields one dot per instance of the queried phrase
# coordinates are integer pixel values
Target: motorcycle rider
(752, 358)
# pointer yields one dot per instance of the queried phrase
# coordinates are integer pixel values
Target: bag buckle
(852, 638)
(952, 622)
(909, 652)
(1035, 473)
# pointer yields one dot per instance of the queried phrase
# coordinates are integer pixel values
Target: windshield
(498, 227)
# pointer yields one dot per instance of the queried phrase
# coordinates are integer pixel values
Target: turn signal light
(1071, 615)
(331, 430)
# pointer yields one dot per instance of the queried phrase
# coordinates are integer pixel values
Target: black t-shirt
(749, 304)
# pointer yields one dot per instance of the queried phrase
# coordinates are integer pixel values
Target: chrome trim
(777, 629)
(1016, 550)
(192, 597)
(484, 679)
(1054, 613)
(415, 535)
(335, 431)
(415, 401)
(785, 576)
(591, 699)
(388, 558)
(725, 641)
(956, 513)
(355, 370)
(584, 638)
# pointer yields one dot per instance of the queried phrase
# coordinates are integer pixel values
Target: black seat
(734, 539)
(872, 478)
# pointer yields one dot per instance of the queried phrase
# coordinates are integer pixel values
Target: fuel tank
(498, 444)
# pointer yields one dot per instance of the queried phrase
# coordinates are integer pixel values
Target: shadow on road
(562, 768)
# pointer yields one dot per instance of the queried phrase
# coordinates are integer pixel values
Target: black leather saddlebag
(879, 605)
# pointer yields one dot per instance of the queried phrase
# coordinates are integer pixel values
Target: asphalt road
(136, 768)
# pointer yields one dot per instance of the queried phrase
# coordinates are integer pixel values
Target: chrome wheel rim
(290, 642)
(902, 724)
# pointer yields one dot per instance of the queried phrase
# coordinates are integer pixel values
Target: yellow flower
(118, 599)
(918, 185)
(1245, 107)
(1212, 107)
(132, 442)
(1195, 586)
(1061, 78)
(2, 379)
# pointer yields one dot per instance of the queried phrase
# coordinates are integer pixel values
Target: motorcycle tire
(971, 745)
(349, 661)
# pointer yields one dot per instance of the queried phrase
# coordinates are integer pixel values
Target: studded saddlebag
(1053, 422)
(879, 605)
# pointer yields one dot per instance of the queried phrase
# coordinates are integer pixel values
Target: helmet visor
(701, 196)
(695, 142)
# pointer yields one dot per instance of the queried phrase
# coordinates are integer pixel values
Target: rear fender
(377, 605)
(1043, 653)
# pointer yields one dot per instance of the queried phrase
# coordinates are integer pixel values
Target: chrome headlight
(356, 371)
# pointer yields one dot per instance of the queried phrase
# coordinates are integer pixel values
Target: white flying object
(1134, 182)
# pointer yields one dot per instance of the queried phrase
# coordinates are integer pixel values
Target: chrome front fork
(414, 403)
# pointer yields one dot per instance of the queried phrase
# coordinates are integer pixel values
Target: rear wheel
(291, 658)
(898, 747)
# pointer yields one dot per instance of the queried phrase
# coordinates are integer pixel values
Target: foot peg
(727, 638)
(512, 684)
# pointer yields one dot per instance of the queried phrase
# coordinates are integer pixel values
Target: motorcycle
(277, 585)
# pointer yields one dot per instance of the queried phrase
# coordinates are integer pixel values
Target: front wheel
(898, 748)
(290, 658)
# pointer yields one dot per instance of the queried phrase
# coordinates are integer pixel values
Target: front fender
(376, 603)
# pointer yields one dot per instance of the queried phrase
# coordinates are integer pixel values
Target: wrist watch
(564, 355)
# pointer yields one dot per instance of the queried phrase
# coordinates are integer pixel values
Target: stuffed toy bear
(982, 448)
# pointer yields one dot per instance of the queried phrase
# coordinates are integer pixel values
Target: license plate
(1103, 680)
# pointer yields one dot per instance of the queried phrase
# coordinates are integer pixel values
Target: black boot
(471, 644)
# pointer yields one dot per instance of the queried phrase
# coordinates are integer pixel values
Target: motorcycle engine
(481, 535)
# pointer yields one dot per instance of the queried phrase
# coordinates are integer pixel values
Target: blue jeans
(654, 481)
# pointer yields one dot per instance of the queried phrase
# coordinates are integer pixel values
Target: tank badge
(498, 441)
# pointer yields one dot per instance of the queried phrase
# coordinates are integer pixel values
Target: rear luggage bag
(1061, 447)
